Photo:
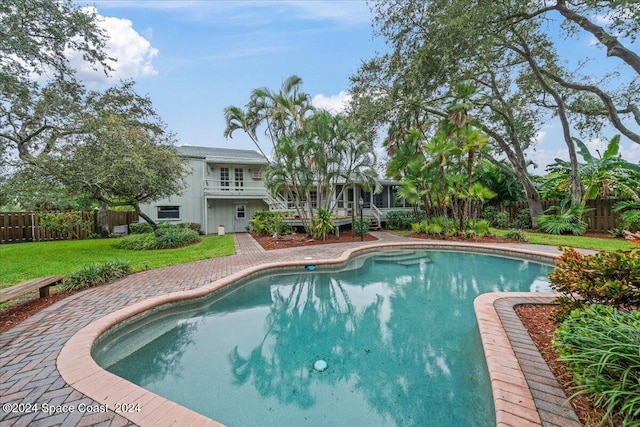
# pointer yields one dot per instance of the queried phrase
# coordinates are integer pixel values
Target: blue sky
(194, 58)
(202, 56)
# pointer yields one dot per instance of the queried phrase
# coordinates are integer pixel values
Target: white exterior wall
(222, 212)
(191, 202)
(219, 208)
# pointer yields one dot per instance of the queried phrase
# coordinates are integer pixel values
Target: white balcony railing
(216, 187)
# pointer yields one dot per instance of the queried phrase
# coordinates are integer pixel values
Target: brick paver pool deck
(40, 357)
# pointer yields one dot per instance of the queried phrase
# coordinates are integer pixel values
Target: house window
(340, 193)
(377, 200)
(313, 199)
(241, 211)
(224, 178)
(239, 176)
(168, 212)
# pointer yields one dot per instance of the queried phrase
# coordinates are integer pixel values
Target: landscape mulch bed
(300, 239)
(540, 323)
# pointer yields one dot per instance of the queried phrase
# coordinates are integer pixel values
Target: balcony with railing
(229, 189)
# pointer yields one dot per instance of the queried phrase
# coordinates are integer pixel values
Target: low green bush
(67, 224)
(482, 228)
(601, 347)
(322, 224)
(515, 234)
(629, 214)
(269, 223)
(524, 216)
(361, 227)
(140, 228)
(137, 242)
(502, 220)
(96, 274)
(166, 237)
(610, 278)
(567, 222)
(191, 226)
(490, 214)
(401, 220)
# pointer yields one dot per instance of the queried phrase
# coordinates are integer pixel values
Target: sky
(194, 58)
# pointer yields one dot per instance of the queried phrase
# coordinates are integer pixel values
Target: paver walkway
(28, 352)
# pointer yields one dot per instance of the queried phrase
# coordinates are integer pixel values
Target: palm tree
(282, 112)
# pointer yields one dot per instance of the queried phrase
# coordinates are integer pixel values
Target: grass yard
(582, 242)
(23, 261)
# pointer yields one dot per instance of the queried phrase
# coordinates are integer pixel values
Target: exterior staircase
(277, 203)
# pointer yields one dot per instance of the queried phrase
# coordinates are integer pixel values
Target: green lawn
(22, 261)
(582, 242)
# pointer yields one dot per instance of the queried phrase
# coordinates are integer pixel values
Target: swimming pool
(396, 329)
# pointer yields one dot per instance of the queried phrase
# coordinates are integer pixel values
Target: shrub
(191, 226)
(569, 221)
(401, 220)
(482, 228)
(630, 216)
(600, 347)
(434, 228)
(611, 278)
(524, 217)
(322, 224)
(140, 228)
(167, 225)
(96, 274)
(167, 238)
(361, 227)
(269, 223)
(502, 220)
(137, 242)
(490, 214)
(630, 219)
(67, 224)
(415, 227)
(515, 234)
(617, 232)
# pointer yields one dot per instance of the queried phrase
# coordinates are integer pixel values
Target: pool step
(403, 258)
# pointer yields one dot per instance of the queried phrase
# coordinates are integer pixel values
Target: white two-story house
(226, 187)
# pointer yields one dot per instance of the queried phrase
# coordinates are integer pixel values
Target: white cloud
(333, 103)
(539, 137)
(132, 52)
(544, 157)
(596, 147)
(631, 153)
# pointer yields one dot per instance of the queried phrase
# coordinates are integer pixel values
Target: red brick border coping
(522, 396)
(525, 391)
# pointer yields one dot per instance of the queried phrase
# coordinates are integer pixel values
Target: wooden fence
(600, 217)
(18, 227)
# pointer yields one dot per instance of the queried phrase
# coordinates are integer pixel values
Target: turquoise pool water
(397, 332)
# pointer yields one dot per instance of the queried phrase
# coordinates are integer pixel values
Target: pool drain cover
(320, 365)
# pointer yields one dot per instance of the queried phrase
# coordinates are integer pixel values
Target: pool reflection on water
(397, 331)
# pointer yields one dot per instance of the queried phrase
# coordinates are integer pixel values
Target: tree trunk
(533, 199)
(144, 216)
(102, 222)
